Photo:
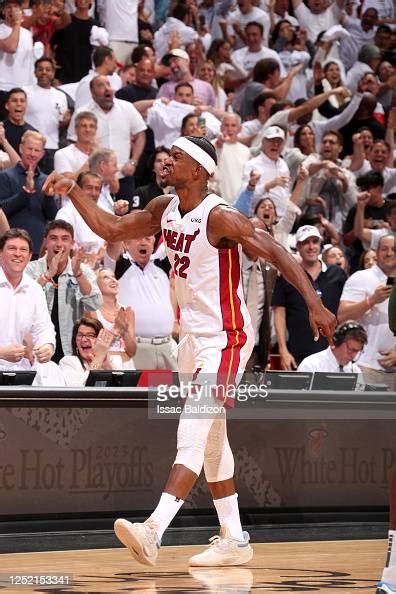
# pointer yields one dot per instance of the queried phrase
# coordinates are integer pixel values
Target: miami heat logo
(180, 242)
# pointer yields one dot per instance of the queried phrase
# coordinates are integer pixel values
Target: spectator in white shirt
(90, 344)
(27, 338)
(120, 18)
(349, 340)
(166, 118)
(176, 24)
(317, 15)
(146, 289)
(120, 128)
(264, 209)
(244, 14)
(362, 32)
(91, 184)
(385, 8)
(367, 61)
(16, 51)
(213, 15)
(244, 59)
(365, 298)
(278, 11)
(104, 62)
(47, 110)
(275, 175)
(73, 157)
(231, 159)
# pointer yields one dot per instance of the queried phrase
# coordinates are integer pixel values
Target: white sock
(391, 555)
(389, 572)
(167, 508)
(228, 513)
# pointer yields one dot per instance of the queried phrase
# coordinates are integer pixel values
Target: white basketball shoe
(384, 588)
(140, 538)
(224, 551)
(387, 585)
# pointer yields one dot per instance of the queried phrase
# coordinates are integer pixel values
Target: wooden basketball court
(344, 567)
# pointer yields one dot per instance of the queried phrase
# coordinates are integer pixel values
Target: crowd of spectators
(299, 101)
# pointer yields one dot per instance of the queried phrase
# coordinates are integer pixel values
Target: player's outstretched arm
(226, 223)
(138, 223)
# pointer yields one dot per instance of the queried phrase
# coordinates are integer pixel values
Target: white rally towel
(165, 121)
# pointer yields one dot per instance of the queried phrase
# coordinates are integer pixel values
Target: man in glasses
(349, 340)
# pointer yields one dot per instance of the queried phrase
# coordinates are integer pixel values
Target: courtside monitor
(344, 382)
(113, 379)
(17, 378)
(288, 380)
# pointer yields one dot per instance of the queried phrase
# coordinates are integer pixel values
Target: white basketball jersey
(207, 280)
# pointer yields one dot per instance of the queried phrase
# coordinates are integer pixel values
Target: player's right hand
(57, 184)
(322, 322)
(288, 362)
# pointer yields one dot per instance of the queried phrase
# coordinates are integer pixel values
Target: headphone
(342, 329)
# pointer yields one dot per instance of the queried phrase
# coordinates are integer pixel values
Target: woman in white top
(90, 346)
(117, 319)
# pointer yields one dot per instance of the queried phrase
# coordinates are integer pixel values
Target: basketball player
(388, 580)
(201, 234)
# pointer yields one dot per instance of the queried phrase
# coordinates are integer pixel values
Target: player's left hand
(323, 322)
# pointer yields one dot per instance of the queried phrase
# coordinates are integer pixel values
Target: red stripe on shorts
(230, 303)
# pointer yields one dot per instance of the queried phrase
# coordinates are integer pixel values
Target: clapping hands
(125, 320)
